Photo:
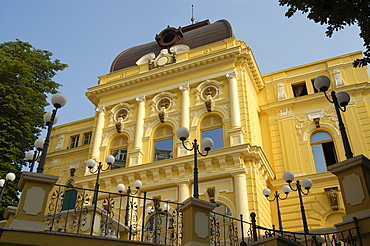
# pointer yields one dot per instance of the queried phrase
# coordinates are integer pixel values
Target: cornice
(248, 154)
(150, 76)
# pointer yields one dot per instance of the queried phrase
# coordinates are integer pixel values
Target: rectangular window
(87, 138)
(120, 156)
(74, 141)
(299, 89)
(163, 149)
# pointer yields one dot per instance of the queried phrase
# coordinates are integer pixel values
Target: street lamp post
(340, 100)
(306, 184)
(32, 155)
(91, 163)
(207, 144)
(4, 182)
(266, 192)
(57, 100)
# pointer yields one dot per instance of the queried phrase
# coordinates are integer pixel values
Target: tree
(337, 15)
(25, 77)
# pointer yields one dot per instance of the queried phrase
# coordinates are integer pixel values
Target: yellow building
(202, 78)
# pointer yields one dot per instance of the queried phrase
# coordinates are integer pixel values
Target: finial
(192, 14)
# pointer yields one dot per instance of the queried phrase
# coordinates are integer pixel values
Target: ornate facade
(262, 126)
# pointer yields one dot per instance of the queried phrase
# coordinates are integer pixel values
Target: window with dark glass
(299, 89)
(163, 144)
(87, 137)
(323, 151)
(74, 141)
(212, 128)
(119, 151)
(70, 197)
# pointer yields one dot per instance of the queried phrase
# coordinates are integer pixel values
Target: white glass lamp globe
(39, 144)
(29, 155)
(90, 163)
(47, 118)
(307, 183)
(121, 188)
(286, 189)
(288, 177)
(165, 207)
(2, 182)
(207, 144)
(266, 192)
(343, 98)
(138, 184)
(58, 100)
(10, 176)
(149, 210)
(110, 159)
(182, 133)
(322, 83)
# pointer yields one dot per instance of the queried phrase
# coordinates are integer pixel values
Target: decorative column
(95, 153)
(196, 221)
(236, 136)
(184, 190)
(185, 111)
(185, 115)
(136, 155)
(241, 196)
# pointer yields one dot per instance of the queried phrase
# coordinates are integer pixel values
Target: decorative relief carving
(338, 78)
(281, 91)
(324, 116)
(60, 142)
(332, 194)
(285, 112)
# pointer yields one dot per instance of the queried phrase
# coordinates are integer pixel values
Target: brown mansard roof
(195, 35)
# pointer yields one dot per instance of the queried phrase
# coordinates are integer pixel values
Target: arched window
(163, 143)
(119, 151)
(212, 127)
(159, 228)
(323, 151)
(70, 197)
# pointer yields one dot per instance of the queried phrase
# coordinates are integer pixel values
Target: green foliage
(337, 15)
(25, 77)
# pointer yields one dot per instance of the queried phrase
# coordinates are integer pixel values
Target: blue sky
(89, 34)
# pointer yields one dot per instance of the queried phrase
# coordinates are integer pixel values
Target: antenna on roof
(192, 14)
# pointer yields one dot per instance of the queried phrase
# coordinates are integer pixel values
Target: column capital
(185, 87)
(141, 99)
(100, 109)
(231, 75)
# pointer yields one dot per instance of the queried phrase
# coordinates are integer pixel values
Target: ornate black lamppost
(91, 163)
(57, 100)
(266, 192)
(4, 182)
(207, 144)
(340, 100)
(306, 184)
(32, 155)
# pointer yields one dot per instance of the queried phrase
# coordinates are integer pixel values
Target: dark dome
(194, 36)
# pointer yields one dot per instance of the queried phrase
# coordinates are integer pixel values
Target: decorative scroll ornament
(163, 104)
(332, 194)
(121, 115)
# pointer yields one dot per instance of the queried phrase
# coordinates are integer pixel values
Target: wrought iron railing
(116, 215)
(226, 230)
